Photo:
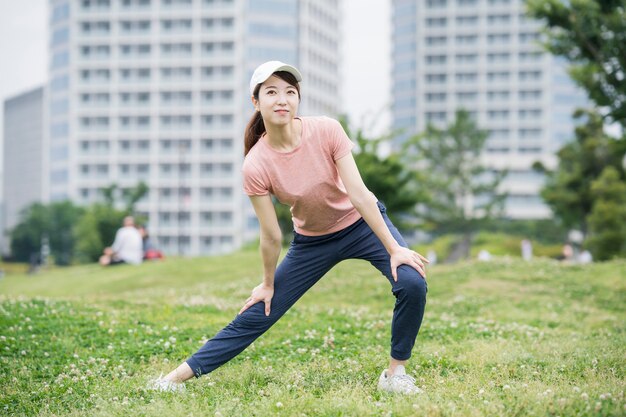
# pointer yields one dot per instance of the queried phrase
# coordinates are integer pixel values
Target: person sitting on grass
(306, 162)
(127, 247)
(150, 252)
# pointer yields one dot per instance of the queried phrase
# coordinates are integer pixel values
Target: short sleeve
(253, 183)
(341, 145)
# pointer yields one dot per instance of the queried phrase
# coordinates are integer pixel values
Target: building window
(466, 39)
(436, 40)
(499, 19)
(466, 58)
(466, 96)
(436, 78)
(436, 22)
(498, 58)
(498, 95)
(498, 38)
(436, 59)
(466, 21)
(530, 94)
(466, 77)
(529, 75)
(498, 115)
(498, 76)
(435, 97)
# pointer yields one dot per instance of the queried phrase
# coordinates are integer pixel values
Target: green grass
(504, 338)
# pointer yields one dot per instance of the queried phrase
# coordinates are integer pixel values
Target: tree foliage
(591, 35)
(607, 220)
(463, 192)
(52, 223)
(567, 190)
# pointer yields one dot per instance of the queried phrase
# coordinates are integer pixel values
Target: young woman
(306, 162)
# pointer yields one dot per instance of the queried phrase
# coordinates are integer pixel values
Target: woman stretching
(306, 162)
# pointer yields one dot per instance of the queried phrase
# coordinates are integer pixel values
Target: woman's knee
(255, 317)
(412, 285)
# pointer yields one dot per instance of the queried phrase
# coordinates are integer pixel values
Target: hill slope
(499, 338)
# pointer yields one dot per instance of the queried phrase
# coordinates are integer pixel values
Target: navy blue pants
(307, 260)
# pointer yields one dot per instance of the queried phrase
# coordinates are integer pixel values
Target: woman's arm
(271, 239)
(365, 203)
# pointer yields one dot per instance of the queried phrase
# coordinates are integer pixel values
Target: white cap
(264, 71)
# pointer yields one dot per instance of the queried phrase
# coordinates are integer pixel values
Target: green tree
(96, 230)
(63, 218)
(463, 191)
(567, 190)
(591, 35)
(54, 223)
(607, 220)
(27, 236)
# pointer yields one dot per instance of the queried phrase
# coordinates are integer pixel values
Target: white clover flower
(279, 404)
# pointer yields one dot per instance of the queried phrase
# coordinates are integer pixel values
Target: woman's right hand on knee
(260, 293)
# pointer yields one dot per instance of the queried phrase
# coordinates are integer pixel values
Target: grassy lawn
(505, 338)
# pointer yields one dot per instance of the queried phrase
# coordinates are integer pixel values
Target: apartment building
(484, 56)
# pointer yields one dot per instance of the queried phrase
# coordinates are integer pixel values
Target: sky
(23, 56)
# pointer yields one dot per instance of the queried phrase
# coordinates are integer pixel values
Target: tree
(388, 178)
(567, 190)
(63, 218)
(53, 223)
(591, 35)
(28, 234)
(96, 230)
(607, 220)
(463, 191)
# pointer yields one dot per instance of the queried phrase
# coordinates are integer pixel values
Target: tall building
(484, 56)
(157, 91)
(23, 153)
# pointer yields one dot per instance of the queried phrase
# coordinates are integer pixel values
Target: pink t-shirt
(306, 178)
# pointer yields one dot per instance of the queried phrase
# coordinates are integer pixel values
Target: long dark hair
(256, 127)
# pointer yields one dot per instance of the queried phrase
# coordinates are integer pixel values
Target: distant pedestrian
(567, 253)
(306, 162)
(127, 247)
(585, 257)
(484, 255)
(527, 250)
(432, 257)
(150, 251)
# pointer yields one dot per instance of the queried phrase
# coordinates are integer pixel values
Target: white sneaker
(165, 385)
(398, 383)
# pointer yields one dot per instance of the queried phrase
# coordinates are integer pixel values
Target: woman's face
(278, 101)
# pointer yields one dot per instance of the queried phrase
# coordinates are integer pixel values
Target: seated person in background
(150, 251)
(127, 247)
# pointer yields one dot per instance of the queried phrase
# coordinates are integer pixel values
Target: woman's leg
(410, 289)
(299, 271)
